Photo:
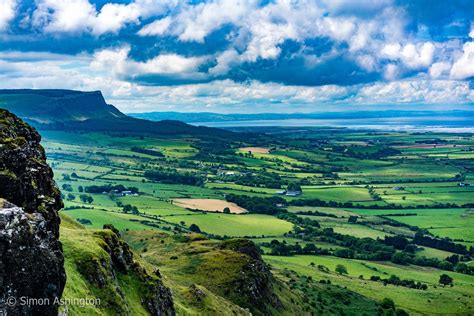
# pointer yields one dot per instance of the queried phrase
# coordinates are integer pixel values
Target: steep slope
(57, 106)
(31, 264)
(88, 111)
(101, 266)
(230, 278)
(200, 270)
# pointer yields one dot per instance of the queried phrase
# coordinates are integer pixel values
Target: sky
(249, 56)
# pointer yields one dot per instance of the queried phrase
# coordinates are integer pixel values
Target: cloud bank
(244, 56)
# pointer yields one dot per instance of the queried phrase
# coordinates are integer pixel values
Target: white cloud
(104, 71)
(420, 56)
(416, 91)
(391, 72)
(159, 27)
(413, 56)
(7, 12)
(438, 69)
(463, 68)
(117, 63)
(73, 16)
(113, 17)
(200, 20)
(63, 16)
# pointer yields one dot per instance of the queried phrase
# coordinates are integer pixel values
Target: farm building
(293, 193)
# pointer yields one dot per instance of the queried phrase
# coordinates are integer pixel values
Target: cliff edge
(32, 274)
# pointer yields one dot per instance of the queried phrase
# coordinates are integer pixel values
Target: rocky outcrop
(155, 296)
(255, 282)
(31, 258)
(113, 272)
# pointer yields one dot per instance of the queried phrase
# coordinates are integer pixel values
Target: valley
(393, 206)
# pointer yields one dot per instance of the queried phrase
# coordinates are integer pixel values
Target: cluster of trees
(396, 249)
(262, 179)
(445, 279)
(147, 151)
(294, 186)
(127, 208)
(391, 206)
(255, 204)
(86, 198)
(109, 188)
(216, 151)
(366, 152)
(284, 249)
(373, 194)
(395, 280)
(173, 177)
(66, 187)
(316, 213)
(441, 244)
(306, 222)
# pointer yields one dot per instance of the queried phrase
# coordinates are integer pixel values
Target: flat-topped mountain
(57, 106)
(88, 111)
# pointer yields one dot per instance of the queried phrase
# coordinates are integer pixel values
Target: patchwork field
(356, 198)
(210, 205)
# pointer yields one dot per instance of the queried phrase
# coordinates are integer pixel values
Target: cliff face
(31, 258)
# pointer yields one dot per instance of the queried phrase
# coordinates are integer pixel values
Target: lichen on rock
(31, 258)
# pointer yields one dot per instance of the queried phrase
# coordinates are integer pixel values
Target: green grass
(99, 218)
(235, 225)
(434, 301)
(84, 254)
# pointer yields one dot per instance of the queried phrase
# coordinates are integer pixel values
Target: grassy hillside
(100, 267)
(234, 270)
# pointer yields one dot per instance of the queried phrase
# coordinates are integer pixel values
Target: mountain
(88, 111)
(56, 106)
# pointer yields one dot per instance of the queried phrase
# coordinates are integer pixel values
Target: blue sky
(245, 56)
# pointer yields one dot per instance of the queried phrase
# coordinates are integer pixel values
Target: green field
(349, 187)
(235, 225)
(434, 301)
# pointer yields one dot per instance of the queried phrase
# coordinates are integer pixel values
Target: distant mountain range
(196, 117)
(88, 111)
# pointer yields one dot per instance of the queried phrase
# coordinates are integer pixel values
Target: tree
(194, 228)
(445, 279)
(226, 210)
(294, 187)
(127, 208)
(71, 196)
(387, 303)
(86, 198)
(81, 188)
(341, 269)
(352, 219)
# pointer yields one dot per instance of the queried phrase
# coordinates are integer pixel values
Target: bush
(387, 303)
(194, 228)
(341, 269)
